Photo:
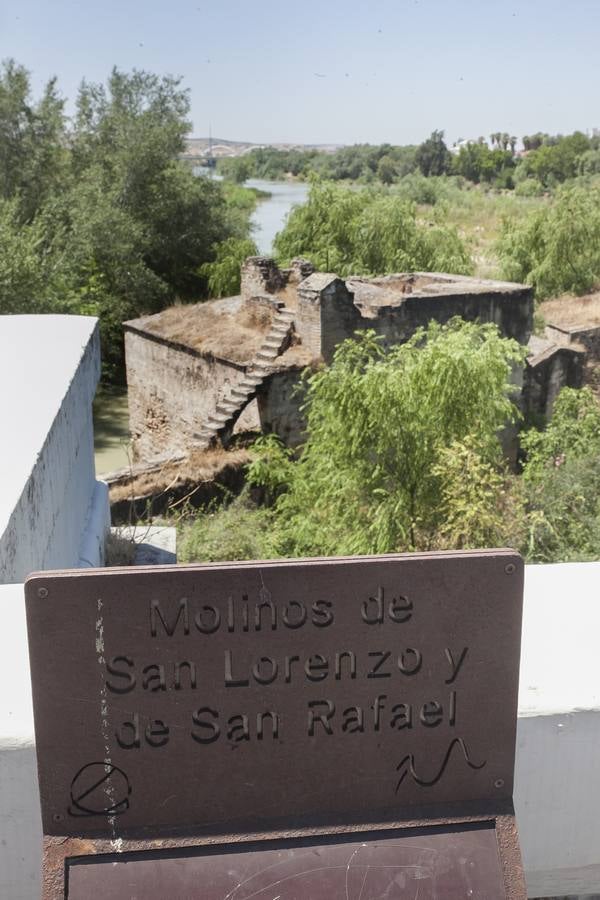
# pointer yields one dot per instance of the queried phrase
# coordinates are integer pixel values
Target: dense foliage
(235, 531)
(562, 478)
(360, 162)
(371, 476)
(224, 273)
(477, 163)
(368, 232)
(546, 161)
(433, 156)
(98, 215)
(557, 248)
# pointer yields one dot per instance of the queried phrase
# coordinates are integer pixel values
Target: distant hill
(197, 148)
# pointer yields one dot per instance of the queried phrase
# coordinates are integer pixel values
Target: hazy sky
(340, 71)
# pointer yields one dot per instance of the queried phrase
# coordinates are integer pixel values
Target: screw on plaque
(499, 783)
(510, 568)
(42, 593)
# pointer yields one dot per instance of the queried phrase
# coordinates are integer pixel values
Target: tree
(556, 248)
(478, 163)
(139, 224)
(33, 154)
(386, 170)
(367, 232)
(237, 168)
(433, 156)
(554, 160)
(572, 433)
(224, 273)
(561, 475)
(589, 162)
(103, 219)
(482, 504)
(29, 280)
(378, 423)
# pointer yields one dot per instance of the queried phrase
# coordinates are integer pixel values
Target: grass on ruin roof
(229, 331)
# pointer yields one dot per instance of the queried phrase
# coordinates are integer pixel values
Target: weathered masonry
(197, 374)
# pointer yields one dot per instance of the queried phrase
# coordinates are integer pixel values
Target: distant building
(463, 142)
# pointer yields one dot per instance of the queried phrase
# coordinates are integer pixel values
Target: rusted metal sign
(456, 862)
(245, 697)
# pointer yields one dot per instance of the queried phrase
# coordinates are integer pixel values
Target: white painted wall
(53, 512)
(557, 788)
(20, 823)
(557, 794)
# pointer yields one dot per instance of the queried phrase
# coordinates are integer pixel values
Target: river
(111, 433)
(270, 214)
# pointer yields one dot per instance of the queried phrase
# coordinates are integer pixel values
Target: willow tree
(371, 478)
(368, 232)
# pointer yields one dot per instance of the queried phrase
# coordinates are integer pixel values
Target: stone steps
(236, 397)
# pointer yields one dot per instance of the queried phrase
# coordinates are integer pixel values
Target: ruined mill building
(197, 374)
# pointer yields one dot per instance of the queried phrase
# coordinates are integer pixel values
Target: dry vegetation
(477, 214)
(221, 328)
(569, 311)
(199, 467)
(119, 549)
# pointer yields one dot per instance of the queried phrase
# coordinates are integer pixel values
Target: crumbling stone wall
(331, 310)
(325, 315)
(546, 374)
(588, 338)
(280, 402)
(261, 275)
(511, 312)
(262, 279)
(172, 391)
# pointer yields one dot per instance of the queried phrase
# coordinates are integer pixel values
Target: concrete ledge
(557, 790)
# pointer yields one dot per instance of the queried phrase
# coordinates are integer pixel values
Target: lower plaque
(461, 861)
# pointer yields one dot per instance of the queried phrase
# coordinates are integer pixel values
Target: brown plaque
(454, 862)
(238, 697)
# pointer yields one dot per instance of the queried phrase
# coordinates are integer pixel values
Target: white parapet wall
(53, 511)
(557, 789)
(557, 792)
(53, 514)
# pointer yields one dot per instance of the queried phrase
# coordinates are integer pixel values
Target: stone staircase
(235, 398)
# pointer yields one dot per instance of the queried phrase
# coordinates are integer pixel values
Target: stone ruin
(198, 374)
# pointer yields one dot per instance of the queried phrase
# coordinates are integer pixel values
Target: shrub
(530, 187)
(366, 232)
(224, 274)
(572, 433)
(481, 501)
(378, 422)
(236, 531)
(557, 248)
(562, 480)
(564, 512)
